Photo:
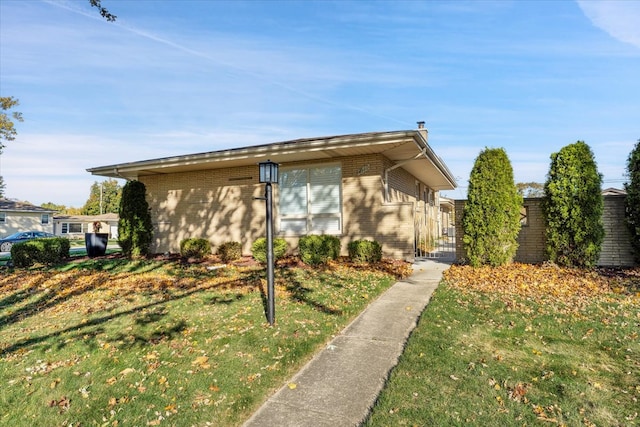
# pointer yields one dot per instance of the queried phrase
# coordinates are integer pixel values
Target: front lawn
(521, 345)
(110, 342)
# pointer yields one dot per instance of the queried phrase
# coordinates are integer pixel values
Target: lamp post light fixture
(268, 176)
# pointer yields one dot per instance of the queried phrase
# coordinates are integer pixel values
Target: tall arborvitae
(135, 229)
(573, 207)
(491, 217)
(632, 202)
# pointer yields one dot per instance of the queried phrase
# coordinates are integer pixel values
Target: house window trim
(309, 217)
(3, 217)
(45, 219)
(64, 228)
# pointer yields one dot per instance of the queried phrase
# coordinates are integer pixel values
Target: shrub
(318, 249)
(259, 249)
(365, 251)
(573, 207)
(230, 251)
(135, 229)
(48, 251)
(491, 216)
(632, 201)
(195, 247)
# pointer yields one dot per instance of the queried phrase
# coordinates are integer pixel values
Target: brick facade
(220, 205)
(616, 247)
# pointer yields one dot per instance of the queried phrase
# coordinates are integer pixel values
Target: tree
(530, 189)
(491, 216)
(632, 201)
(104, 197)
(135, 229)
(3, 186)
(103, 11)
(7, 129)
(573, 207)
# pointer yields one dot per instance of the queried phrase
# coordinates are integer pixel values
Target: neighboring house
(383, 186)
(74, 226)
(23, 216)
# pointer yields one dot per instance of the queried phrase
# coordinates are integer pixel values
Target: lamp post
(268, 176)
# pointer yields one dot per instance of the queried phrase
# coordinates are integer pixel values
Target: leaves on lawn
(556, 289)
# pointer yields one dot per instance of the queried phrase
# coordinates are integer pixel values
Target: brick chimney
(423, 131)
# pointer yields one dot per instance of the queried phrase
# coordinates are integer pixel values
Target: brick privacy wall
(616, 247)
(219, 205)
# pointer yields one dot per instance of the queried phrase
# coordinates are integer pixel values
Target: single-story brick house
(74, 226)
(23, 216)
(383, 186)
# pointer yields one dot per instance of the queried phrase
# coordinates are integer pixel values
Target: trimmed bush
(318, 249)
(195, 247)
(259, 249)
(48, 251)
(573, 207)
(365, 251)
(230, 251)
(632, 201)
(491, 216)
(135, 229)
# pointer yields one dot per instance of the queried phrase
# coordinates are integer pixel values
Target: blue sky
(181, 77)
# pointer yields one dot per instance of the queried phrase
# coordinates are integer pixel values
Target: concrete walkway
(341, 383)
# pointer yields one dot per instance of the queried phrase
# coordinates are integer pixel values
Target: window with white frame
(71, 227)
(310, 200)
(3, 217)
(44, 219)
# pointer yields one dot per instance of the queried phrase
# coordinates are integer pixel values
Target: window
(310, 200)
(44, 219)
(71, 227)
(3, 217)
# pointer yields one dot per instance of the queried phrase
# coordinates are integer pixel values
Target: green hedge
(230, 251)
(48, 251)
(316, 249)
(365, 251)
(259, 249)
(194, 247)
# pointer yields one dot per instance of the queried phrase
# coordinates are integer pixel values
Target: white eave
(407, 147)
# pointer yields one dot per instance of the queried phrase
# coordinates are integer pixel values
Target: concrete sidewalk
(341, 383)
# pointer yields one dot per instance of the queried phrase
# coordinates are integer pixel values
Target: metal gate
(431, 240)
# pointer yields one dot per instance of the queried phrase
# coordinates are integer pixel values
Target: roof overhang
(407, 148)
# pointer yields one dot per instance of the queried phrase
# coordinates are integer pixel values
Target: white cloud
(620, 19)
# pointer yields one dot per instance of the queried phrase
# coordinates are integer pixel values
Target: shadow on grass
(156, 314)
(302, 294)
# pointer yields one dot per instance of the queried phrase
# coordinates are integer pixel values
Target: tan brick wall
(616, 247)
(532, 238)
(219, 205)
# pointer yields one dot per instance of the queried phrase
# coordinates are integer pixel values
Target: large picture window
(71, 227)
(310, 200)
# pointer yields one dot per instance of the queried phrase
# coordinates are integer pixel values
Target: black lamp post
(268, 176)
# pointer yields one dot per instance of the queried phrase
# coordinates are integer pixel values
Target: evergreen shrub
(491, 215)
(365, 251)
(573, 206)
(195, 247)
(47, 251)
(135, 229)
(259, 249)
(632, 201)
(318, 249)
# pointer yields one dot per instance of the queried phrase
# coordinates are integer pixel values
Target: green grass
(108, 342)
(487, 359)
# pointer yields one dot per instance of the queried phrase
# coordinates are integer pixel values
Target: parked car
(21, 236)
